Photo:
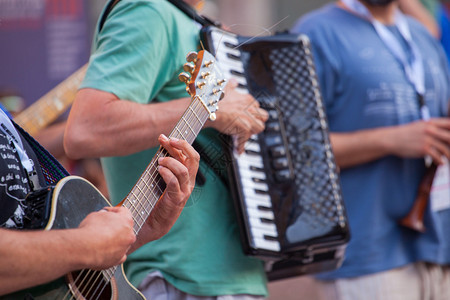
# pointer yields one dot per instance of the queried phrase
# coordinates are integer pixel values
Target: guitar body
(72, 200)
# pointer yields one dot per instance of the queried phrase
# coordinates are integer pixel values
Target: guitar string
(175, 133)
(152, 171)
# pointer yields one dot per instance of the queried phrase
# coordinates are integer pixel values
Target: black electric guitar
(73, 198)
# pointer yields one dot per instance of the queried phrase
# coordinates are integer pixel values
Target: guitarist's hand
(239, 115)
(108, 235)
(179, 172)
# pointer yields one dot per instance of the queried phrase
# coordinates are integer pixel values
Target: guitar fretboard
(150, 187)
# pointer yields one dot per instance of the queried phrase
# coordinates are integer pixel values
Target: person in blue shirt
(386, 88)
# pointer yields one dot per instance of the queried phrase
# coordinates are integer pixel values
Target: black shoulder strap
(192, 13)
(180, 4)
(108, 9)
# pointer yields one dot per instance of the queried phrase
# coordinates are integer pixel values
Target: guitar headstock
(204, 80)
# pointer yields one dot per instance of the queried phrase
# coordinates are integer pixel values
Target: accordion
(285, 185)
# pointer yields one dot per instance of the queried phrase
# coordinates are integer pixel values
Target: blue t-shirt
(364, 87)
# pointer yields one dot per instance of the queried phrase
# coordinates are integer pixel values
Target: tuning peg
(215, 91)
(201, 84)
(191, 57)
(208, 63)
(188, 67)
(212, 116)
(220, 81)
(184, 77)
(222, 95)
(205, 74)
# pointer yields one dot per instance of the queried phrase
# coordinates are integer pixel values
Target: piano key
(247, 173)
(247, 161)
(251, 194)
(254, 203)
(231, 63)
(230, 45)
(237, 73)
(233, 56)
(262, 214)
(251, 184)
(265, 228)
(252, 146)
(261, 243)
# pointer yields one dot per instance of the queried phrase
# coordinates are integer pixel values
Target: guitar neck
(50, 106)
(150, 187)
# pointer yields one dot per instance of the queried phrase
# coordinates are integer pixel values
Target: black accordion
(286, 185)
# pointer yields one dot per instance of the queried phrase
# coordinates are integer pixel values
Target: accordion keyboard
(286, 184)
(255, 188)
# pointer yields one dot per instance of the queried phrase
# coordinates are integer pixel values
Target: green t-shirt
(138, 56)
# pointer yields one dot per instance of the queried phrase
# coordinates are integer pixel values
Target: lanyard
(413, 67)
(10, 131)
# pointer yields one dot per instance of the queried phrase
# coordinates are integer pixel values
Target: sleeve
(130, 52)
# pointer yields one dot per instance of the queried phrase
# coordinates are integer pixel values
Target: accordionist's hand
(239, 115)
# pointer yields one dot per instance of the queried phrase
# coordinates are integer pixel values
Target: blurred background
(44, 41)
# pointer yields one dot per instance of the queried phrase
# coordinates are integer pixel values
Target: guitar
(50, 106)
(73, 197)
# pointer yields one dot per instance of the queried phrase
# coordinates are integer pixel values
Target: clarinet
(414, 219)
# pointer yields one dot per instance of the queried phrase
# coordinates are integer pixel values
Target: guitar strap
(192, 13)
(108, 9)
(180, 4)
(53, 171)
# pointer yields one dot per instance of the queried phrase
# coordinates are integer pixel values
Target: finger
(175, 174)
(441, 122)
(165, 143)
(440, 133)
(261, 114)
(440, 149)
(435, 155)
(186, 149)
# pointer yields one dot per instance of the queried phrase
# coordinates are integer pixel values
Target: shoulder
(324, 18)
(418, 29)
(148, 8)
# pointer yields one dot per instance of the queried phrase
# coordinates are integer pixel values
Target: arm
(100, 124)
(31, 258)
(412, 140)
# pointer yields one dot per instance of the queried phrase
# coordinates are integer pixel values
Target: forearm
(354, 148)
(100, 126)
(33, 258)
